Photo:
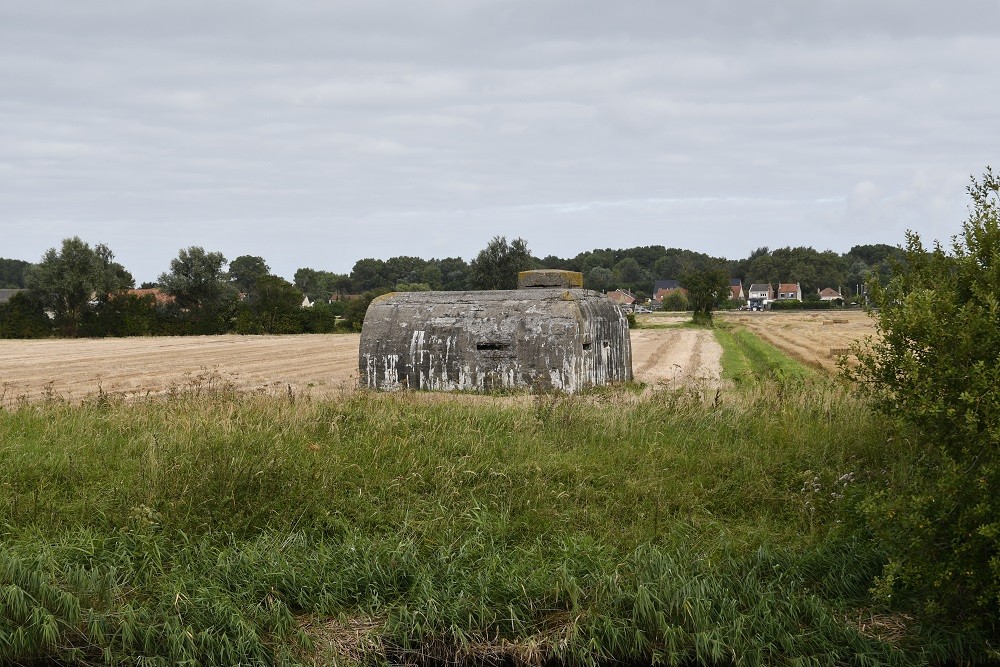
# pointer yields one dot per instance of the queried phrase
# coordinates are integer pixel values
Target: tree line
(634, 269)
(79, 290)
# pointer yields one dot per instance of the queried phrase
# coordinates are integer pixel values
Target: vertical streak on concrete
(543, 338)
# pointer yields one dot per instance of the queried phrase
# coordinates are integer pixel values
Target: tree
(245, 270)
(631, 274)
(553, 262)
(412, 287)
(497, 265)
(856, 276)
(322, 285)
(706, 291)
(668, 267)
(322, 317)
(275, 307)
(933, 370)
(369, 274)
(75, 280)
(308, 280)
(454, 273)
(431, 275)
(200, 285)
(197, 279)
(404, 269)
(599, 279)
(336, 283)
(355, 310)
(12, 273)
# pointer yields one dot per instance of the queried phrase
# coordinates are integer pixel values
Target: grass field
(223, 528)
(689, 524)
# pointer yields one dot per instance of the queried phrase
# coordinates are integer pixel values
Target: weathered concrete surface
(540, 338)
(549, 278)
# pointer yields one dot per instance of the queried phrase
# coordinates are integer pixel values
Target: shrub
(321, 318)
(122, 315)
(786, 304)
(675, 301)
(934, 368)
(23, 317)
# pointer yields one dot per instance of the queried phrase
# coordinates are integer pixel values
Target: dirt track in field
(319, 365)
(676, 357)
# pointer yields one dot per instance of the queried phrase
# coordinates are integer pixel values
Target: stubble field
(324, 365)
(817, 339)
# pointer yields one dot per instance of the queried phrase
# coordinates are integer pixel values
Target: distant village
(669, 295)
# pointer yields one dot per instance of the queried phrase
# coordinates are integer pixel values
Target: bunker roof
(550, 278)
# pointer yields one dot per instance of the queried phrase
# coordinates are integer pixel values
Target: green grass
(748, 359)
(215, 528)
(665, 320)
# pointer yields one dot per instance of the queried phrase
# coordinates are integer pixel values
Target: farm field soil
(75, 369)
(319, 365)
(676, 357)
(816, 339)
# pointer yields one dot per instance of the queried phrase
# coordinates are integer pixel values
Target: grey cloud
(318, 133)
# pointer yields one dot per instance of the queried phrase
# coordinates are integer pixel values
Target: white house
(789, 291)
(759, 296)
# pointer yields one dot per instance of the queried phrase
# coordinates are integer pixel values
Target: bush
(786, 304)
(675, 301)
(934, 368)
(23, 317)
(321, 318)
(122, 315)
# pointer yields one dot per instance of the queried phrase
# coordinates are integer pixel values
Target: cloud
(318, 133)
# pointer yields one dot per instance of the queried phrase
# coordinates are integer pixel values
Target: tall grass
(220, 528)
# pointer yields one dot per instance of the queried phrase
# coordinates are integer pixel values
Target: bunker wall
(480, 341)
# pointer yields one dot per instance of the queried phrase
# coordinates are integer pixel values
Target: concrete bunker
(547, 334)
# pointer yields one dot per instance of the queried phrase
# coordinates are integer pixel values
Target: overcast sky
(315, 133)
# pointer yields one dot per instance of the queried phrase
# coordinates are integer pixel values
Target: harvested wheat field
(817, 339)
(318, 365)
(75, 369)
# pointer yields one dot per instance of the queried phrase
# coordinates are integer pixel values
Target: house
(535, 337)
(667, 285)
(622, 297)
(789, 291)
(160, 297)
(662, 288)
(663, 293)
(306, 303)
(736, 289)
(829, 294)
(760, 296)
